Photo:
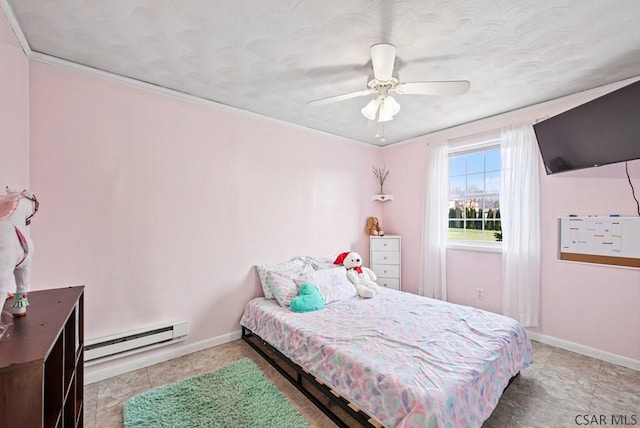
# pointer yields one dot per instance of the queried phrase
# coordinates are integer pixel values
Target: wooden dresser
(385, 257)
(41, 362)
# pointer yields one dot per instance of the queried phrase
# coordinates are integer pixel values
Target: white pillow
(318, 259)
(333, 283)
(321, 266)
(320, 262)
(275, 267)
(282, 283)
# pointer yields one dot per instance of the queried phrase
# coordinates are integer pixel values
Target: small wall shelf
(382, 197)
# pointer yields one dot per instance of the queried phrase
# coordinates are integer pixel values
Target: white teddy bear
(362, 278)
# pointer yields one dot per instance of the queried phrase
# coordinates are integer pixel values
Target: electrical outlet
(480, 293)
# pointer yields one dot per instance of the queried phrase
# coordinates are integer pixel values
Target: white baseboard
(586, 350)
(97, 373)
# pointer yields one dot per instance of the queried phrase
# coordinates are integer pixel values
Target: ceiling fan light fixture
(389, 107)
(383, 107)
(384, 118)
(371, 109)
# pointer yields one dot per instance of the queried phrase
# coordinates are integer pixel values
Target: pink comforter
(407, 360)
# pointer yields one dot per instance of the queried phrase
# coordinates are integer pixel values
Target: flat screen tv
(600, 132)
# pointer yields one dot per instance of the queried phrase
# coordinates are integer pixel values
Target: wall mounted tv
(602, 131)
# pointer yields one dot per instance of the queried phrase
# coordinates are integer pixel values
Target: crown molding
(59, 62)
(15, 26)
(62, 63)
(532, 111)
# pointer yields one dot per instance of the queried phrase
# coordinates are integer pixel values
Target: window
(474, 195)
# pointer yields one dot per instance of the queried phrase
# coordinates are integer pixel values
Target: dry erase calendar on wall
(602, 240)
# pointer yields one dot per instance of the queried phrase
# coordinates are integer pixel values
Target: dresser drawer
(385, 260)
(385, 244)
(389, 283)
(386, 271)
(385, 257)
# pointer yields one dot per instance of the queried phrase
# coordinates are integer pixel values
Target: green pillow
(309, 299)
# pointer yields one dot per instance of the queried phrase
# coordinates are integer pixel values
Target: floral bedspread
(407, 360)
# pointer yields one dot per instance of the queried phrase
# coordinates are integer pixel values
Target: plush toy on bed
(362, 278)
(309, 299)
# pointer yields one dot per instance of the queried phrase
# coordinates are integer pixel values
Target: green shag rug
(235, 396)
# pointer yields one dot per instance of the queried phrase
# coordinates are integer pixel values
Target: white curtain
(520, 212)
(434, 251)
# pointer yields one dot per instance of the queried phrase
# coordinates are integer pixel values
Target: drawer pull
(385, 271)
(385, 258)
(385, 244)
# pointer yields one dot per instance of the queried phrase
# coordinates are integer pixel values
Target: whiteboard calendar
(606, 240)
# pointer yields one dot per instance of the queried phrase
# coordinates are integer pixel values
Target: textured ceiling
(271, 57)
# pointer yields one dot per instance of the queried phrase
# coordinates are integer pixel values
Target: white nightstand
(385, 260)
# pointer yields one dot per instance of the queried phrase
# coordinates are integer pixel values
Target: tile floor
(558, 388)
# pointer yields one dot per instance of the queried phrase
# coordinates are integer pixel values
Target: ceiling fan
(384, 107)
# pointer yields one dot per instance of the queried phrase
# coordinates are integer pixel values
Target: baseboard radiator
(120, 345)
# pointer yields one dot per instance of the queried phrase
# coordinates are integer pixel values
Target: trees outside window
(474, 195)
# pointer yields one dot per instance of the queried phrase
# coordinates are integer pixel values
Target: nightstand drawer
(389, 283)
(385, 257)
(386, 271)
(385, 244)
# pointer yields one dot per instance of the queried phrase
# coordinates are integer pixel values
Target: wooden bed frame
(301, 379)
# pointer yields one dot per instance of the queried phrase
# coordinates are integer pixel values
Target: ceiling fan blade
(434, 88)
(342, 97)
(383, 55)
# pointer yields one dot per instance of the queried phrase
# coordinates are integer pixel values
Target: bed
(398, 359)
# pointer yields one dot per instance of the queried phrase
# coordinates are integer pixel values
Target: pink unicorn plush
(16, 247)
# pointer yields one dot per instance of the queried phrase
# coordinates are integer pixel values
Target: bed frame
(301, 379)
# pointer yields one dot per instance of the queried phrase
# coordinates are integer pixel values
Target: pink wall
(595, 306)
(162, 206)
(14, 110)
